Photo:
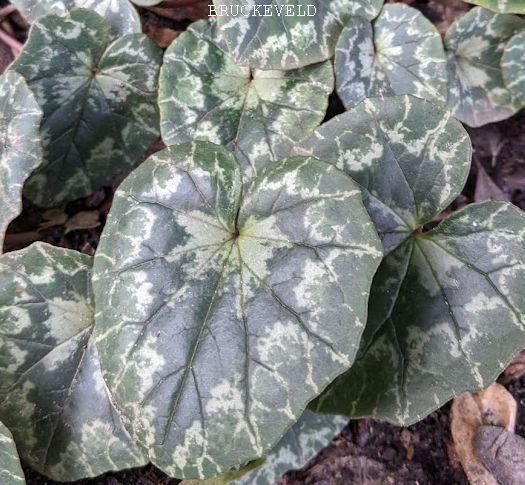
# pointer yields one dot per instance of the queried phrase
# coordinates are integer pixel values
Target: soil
(367, 451)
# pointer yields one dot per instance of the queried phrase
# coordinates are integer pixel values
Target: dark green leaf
(52, 395)
(400, 52)
(99, 102)
(224, 310)
(20, 145)
(205, 95)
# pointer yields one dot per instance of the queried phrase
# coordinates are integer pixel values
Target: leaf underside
(20, 146)
(52, 395)
(122, 17)
(213, 343)
(10, 470)
(475, 44)
(287, 41)
(399, 53)
(513, 67)
(205, 95)
(99, 102)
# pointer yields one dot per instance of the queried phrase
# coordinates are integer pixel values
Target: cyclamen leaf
(222, 310)
(10, 470)
(98, 98)
(456, 323)
(261, 114)
(122, 17)
(501, 6)
(281, 40)
(446, 306)
(20, 147)
(513, 66)
(475, 44)
(52, 394)
(410, 157)
(298, 446)
(399, 53)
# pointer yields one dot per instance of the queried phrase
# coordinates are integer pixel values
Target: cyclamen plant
(265, 262)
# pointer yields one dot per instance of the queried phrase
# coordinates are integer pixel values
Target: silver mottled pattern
(298, 446)
(205, 95)
(121, 15)
(20, 145)
(446, 311)
(223, 309)
(501, 6)
(410, 157)
(400, 52)
(279, 41)
(99, 102)
(10, 470)
(513, 67)
(475, 43)
(52, 394)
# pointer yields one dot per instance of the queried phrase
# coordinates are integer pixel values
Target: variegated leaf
(456, 321)
(399, 53)
(475, 43)
(282, 35)
(99, 102)
(410, 157)
(222, 309)
(205, 95)
(446, 306)
(513, 67)
(122, 17)
(52, 394)
(20, 146)
(501, 6)
(297, 447)
(10, 470)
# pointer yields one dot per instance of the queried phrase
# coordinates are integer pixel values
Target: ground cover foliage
(267, 275)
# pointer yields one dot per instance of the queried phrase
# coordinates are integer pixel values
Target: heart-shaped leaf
(297, 447)
(223, 309)
(122, 17)
(455, 324)
(99, 102)
(20, 146)
(446, 307)
(205, 95)
(513, 67)
(400, 52)
(10, 470)
(287, 35)
(501, 6)
(52, 394)
(475, 43)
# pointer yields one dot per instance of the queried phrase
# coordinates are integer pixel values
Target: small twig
(13, 44)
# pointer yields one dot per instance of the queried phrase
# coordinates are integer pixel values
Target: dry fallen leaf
(83, 220)
(503, 454)
(52, 218)
(162, 36)
(516, 368)
(494, 406)
(486, 188)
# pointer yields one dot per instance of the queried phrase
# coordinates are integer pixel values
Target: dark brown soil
(366, 452)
